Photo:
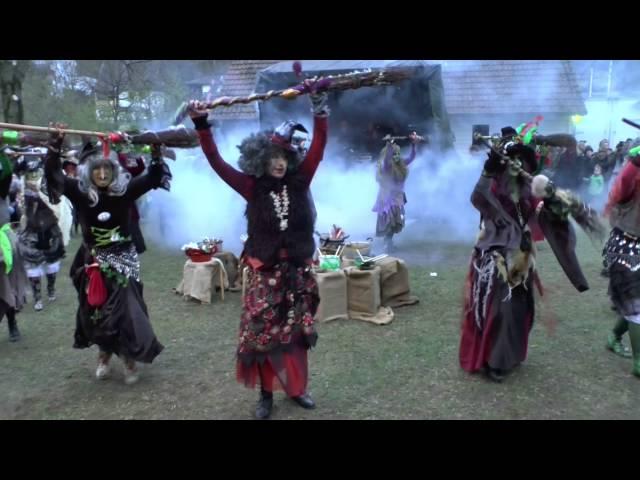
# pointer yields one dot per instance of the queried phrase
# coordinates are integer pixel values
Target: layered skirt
(499, 310)
(277, 328)
(121, 324)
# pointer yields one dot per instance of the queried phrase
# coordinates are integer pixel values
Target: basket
(330, 262)
(198, 256)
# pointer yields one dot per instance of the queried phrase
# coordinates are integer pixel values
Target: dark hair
(257, 150)
(588, 147)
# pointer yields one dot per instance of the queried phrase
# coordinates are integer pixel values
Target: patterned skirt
(277, 328)
(621, 257)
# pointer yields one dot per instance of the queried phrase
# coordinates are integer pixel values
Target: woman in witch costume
(622, 258)
(391, 175)
(106, 270)
(42, 241)
(499, 292)
(13, 277)
(277, 326)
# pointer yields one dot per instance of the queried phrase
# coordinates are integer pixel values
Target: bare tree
(115, 78)
(12, 73)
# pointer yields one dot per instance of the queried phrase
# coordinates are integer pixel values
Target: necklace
(281, 206)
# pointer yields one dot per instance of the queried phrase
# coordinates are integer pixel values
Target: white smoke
(438, 187)
(201, 205)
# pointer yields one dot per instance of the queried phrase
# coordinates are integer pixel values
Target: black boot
(265, 404)
(51, 286)
(494, 374)
(37, 298)
(14, 333)
(305, 401)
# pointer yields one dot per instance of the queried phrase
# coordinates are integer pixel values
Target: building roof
(240, 80)
(470, 87)
(511, 86)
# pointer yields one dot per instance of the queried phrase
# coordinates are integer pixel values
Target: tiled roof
(470, 87)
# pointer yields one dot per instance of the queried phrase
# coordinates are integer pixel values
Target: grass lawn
(406, 370)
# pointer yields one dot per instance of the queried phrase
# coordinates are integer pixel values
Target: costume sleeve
(316, 150)
(623, 187)
(156, 175)
(483, 199)
(56, 183)
(412, 155)
(240, 182)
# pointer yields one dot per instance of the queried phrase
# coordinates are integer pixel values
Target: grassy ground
(406, 370)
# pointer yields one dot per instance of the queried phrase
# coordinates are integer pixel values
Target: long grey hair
(88, 162)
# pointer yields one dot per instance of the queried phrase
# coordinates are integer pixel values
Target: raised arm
(412, 155)
(156, 176)
(482, 197)
(240, 182)
(316, 150)
(57, 183)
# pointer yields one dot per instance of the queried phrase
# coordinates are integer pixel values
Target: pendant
(104, 216)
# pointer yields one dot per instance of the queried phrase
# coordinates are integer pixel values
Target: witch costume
(622, 258)
(277, 322)
(499, 304)
(42, 241)
(13, 278)
(391, 174)
(106, 270)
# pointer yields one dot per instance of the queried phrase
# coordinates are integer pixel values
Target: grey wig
(89, 161)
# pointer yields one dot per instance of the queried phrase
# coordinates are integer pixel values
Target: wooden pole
(32, 128)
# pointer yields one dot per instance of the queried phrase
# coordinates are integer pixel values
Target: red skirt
(287, 372)
(496, 320)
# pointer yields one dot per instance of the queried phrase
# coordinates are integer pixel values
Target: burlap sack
(230, 262)
(394, 283)
(332, 287)
(199, 279)
(363, 294)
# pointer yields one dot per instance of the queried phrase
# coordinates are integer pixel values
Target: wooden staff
(347, 81)
(629, 122)
(389, 138)
(172, 137)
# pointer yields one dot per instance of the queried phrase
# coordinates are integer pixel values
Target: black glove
(202, 123)
(494, 165)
